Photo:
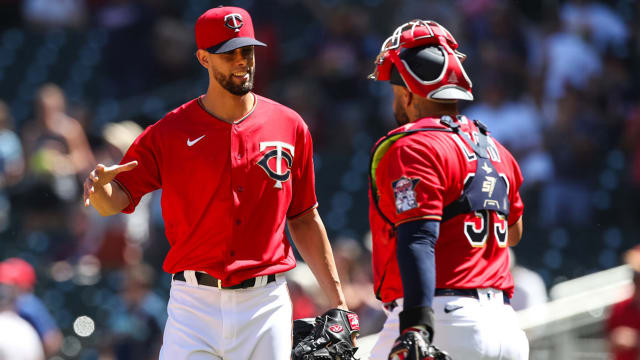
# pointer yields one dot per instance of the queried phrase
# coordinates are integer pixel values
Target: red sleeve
(616, 318)
(411, 183)
(145, 177)
(516, 204)
(303, 196)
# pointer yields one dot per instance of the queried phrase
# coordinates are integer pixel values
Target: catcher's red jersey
(227, 189)
(417, 176)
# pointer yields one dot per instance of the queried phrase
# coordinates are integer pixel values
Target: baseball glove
(328, 337)
(413, 344)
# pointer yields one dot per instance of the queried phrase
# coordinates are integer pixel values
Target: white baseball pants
(207, 323)
(479, 329)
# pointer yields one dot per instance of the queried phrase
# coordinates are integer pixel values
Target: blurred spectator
(116, 240)
(569, 59)
(18, 339)
(55, 144)
(11, 163)
(631, 141)
(172, 47)
(11, 158)
(22, 276)
(518, 125)
(623, 326)
(574, 147)
(303, 304)
(138, 319)
(129, 25)
(499, 43)
(354, 269)
(47, 14)
(530, 290)
(597, 22)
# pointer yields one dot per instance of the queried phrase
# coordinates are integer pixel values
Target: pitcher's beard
(236, 89)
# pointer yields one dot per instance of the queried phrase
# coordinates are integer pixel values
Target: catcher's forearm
(515, 233)
(310, 237)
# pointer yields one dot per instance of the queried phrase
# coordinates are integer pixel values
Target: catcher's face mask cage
(452, 83)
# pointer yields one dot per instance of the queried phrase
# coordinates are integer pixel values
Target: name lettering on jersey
(487, 168)
(469, 154)
(279, 153)
(493, 150)
(404, 193)
(489, 184)
(233, 21)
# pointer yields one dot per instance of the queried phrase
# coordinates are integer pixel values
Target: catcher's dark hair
(426, 62)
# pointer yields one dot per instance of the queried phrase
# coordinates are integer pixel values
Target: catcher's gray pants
(207, 323)
(466, 328)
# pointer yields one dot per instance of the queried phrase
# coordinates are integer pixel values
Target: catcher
(444, 207)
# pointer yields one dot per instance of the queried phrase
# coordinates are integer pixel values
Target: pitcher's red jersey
(227, 189)
(416, 178)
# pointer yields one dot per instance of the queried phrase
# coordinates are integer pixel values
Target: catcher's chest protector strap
(376, 156)
(485, 190)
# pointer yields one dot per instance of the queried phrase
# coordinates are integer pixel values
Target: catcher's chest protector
(484, 190)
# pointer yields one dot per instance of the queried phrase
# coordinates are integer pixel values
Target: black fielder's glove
(413, 344)
(329, 337)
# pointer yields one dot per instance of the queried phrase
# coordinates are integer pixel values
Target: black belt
(468, 293)
(208, 280)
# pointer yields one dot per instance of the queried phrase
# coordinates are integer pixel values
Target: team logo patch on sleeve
(404, 193)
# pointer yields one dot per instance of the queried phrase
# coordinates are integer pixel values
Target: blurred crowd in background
(555, 81)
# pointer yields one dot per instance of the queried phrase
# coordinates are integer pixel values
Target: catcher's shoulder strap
(381, 148)
(486, 189)
(378, 152)
(473, 197)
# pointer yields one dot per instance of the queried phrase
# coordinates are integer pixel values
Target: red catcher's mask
(451, 84)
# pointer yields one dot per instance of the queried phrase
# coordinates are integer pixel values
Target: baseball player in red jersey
(235, 168)
(444, 206)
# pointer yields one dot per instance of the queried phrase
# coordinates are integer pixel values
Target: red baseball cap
(225, 28)
(17, 272)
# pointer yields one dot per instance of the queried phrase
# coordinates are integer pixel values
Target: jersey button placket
(238, 165)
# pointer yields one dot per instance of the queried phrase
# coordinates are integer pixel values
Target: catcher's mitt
(328, 337)
(414, 344)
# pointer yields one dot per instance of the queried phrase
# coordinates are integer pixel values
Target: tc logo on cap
(233, 21)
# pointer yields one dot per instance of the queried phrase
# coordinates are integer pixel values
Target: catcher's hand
(330, 338)
(413, 344)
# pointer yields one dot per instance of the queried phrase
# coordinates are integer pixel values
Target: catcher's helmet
(422, 56)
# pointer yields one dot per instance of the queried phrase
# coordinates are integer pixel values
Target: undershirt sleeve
(416, 260)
